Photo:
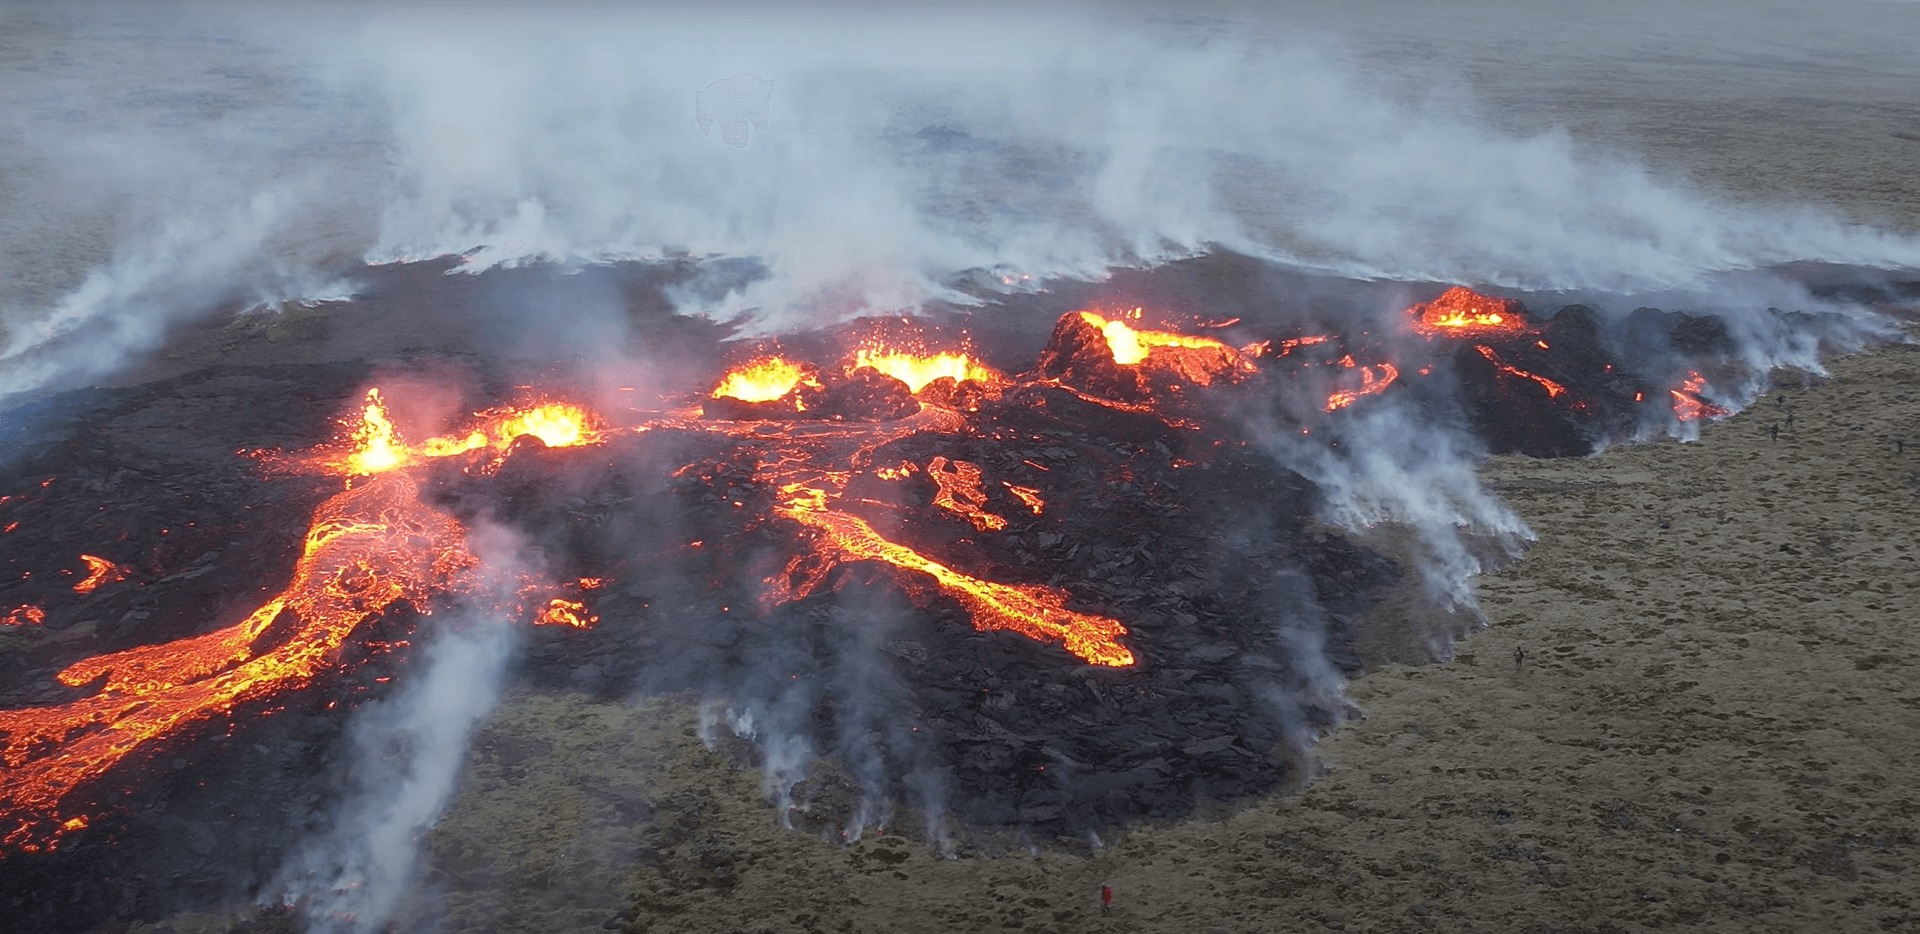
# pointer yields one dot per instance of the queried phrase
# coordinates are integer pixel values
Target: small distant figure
(738, 105)
(1519, 655)
(1900, 445)
(1789, 418)
(1106, 897)
(1773, 429)
(1780, 401)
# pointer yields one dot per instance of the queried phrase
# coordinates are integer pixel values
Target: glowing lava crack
(810, 467)
(1031, 610)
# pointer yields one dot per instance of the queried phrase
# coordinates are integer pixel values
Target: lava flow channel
(805, 466)
(959, 492)
(1553, 389)
(1370, 384)
(99, 571)
(368, 548)
(1032, 610)
(1688, 404)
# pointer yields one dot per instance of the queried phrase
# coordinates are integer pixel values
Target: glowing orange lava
(1462, 312)
(763, 380)
(1035, 611)
(1199, 360)
(1028, 495)
(368, 548)
(373, 545)
(376, 443)
(1291, 344)
(803, 466)
(376, 446)
(1687, 402)
(99, 571)
(959, 492)
(24, 615)
(561, 612)
(1553, 389)
(917, 370)
(556, 424)
(1370, 384)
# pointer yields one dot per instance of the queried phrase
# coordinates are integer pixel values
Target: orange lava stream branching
(1035, 611)
(811, 463)
(960, 493)
(1370, 384)
(367, 548)
(917, 370)
(1687, 402)
(1553, 389)
(99, 571)
(1462, 312)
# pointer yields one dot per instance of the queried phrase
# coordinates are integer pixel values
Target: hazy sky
(159, 157)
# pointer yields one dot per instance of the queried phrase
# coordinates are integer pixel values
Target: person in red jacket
(1106, 896)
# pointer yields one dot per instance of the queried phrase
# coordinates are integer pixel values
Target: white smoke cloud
(787, 753)
(127, 305)
(900, 150)
(406, 753)
(1055, 151)
(1393, 467)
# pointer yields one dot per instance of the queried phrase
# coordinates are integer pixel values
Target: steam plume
(899, 152)
(405, 753)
